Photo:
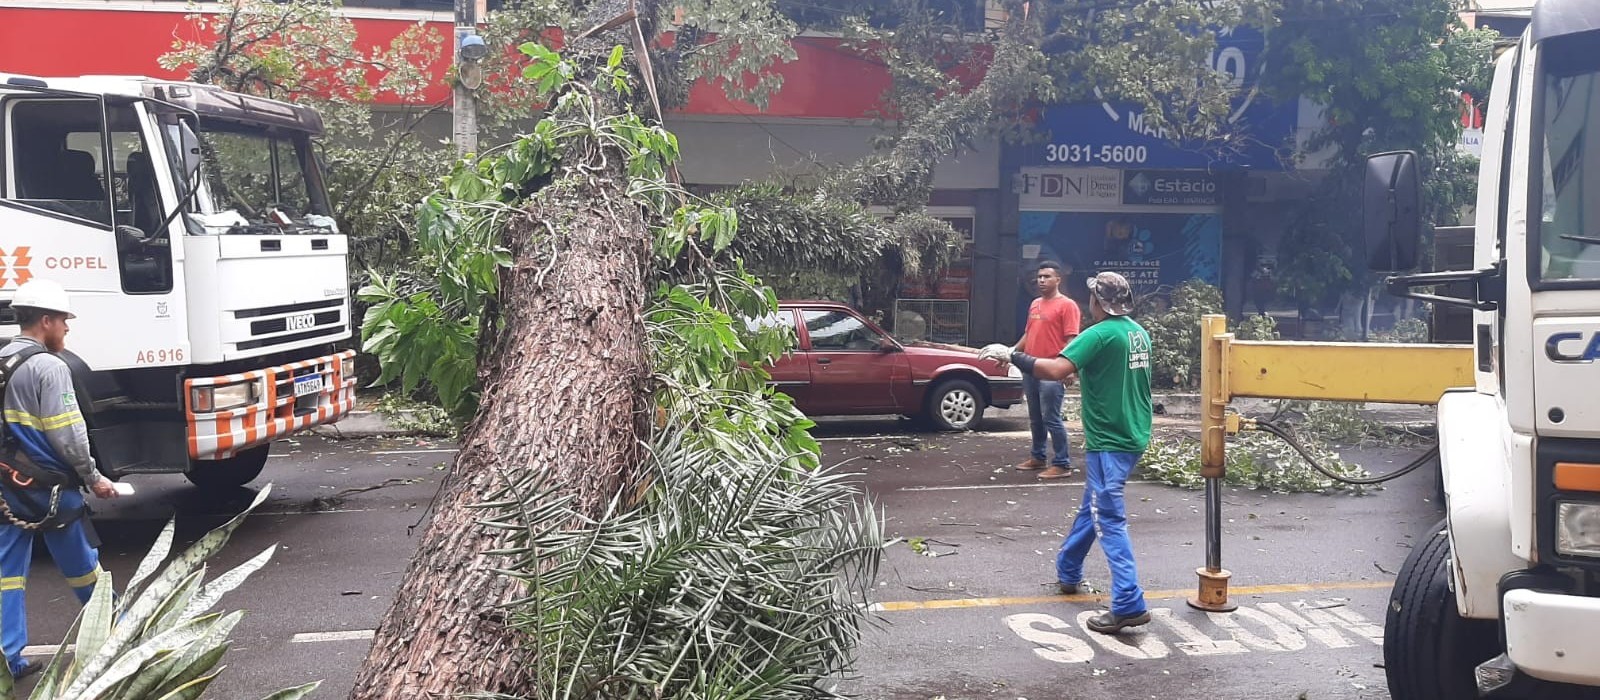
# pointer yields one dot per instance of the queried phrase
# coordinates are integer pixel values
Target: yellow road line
(1272, 589)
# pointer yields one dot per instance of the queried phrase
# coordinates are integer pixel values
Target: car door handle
(824, 361)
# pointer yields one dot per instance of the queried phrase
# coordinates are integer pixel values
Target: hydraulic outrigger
(1320, 371)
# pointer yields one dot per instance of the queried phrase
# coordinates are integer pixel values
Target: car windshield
(252, 180)
(1569, 226)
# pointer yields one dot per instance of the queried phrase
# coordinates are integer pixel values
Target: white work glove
(999, 352)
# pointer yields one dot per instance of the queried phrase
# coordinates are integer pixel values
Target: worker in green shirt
(1112, 360)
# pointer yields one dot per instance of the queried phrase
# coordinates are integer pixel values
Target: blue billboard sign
(1109, 134)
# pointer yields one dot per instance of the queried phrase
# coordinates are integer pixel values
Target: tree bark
(564, 385)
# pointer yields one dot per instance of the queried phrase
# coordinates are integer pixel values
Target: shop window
(934, 305)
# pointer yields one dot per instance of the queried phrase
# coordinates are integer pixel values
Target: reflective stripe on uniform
(13, 583)
(88, 579)
(61, 420)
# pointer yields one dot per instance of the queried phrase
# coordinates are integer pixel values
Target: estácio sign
(1170, 188)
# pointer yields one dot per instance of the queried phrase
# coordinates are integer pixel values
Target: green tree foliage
(1390, 75)
(1173, 321)
(378, 164)
(671, 593)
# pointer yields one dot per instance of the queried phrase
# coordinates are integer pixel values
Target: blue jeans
(1044, 418)
(69, 546)
(1103, 510)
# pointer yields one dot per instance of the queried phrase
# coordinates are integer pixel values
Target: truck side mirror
(1392, 211)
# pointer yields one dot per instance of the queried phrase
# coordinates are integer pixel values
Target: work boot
(1056, 471)
(1112, 623)
(27, 669)
(1031, 465)
(1068, 588)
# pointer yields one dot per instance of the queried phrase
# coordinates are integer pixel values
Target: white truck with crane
(192, 228)
(1502, 599)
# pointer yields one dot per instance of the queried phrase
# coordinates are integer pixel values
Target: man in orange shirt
(1053, 321)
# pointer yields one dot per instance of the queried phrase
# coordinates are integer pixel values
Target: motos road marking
(1269, 627)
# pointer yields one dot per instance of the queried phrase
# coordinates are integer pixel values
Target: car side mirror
(887, 345)
(1392, 211)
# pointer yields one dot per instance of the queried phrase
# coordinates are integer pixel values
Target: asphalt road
(981, 620)
(1311, 573)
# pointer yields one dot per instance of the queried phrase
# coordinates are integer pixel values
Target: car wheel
(232, 472)
(955, 404)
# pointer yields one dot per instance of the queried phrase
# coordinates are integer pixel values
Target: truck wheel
(954, 404)
(1429, 650)
(231, 472)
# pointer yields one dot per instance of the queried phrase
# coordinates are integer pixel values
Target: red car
(845, 365)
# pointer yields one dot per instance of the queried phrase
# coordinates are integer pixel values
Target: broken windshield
(252, 180)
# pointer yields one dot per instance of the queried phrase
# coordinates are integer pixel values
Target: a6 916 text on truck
(191, 227)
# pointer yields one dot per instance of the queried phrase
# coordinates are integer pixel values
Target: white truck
(1504, 600)
(192, 228)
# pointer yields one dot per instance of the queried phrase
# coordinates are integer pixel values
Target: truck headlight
(347, 368)
(1578, 529)
(223, 397)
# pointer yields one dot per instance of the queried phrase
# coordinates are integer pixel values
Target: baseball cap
(1114, 293)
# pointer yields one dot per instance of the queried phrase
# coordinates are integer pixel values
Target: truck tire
(231, 472)
(954, 404)
(1429, 650)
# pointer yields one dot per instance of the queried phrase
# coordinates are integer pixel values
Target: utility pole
(469, 50)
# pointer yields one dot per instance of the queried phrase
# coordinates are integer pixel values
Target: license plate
(309, 384)
(301, 322)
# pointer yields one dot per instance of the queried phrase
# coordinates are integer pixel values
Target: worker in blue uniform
(45, 461)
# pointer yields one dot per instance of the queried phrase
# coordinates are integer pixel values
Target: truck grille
(305, 321)
(288, 308)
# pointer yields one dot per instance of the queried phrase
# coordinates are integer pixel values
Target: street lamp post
(469, 50)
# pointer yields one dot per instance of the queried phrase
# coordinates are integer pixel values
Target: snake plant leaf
(150, 600)
(192, 669)
(94, 625)
(60, 664)
(87, 687)
(186, 664)
(170, 612)
(204, 654)
(193, 689)
(225, 583)
(294, 693)
(152, 561)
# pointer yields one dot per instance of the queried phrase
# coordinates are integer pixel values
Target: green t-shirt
(1113, 361)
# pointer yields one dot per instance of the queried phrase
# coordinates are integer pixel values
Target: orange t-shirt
(1051, 323)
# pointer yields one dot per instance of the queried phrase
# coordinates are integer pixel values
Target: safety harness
(20, 472)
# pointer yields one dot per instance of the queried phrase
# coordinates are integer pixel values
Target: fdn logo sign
(14, 266)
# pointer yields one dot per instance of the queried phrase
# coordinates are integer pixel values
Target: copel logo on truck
(75, 262)
(1569, 348)
(14, 266)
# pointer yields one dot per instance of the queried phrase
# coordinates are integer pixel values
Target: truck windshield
(252, 180)
(1569, 225)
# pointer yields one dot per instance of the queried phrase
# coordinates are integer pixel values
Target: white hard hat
(43, 294)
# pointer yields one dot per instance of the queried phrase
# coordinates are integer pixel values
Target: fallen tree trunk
(564, 389)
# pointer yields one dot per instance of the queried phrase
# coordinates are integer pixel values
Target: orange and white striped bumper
(277, 412)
